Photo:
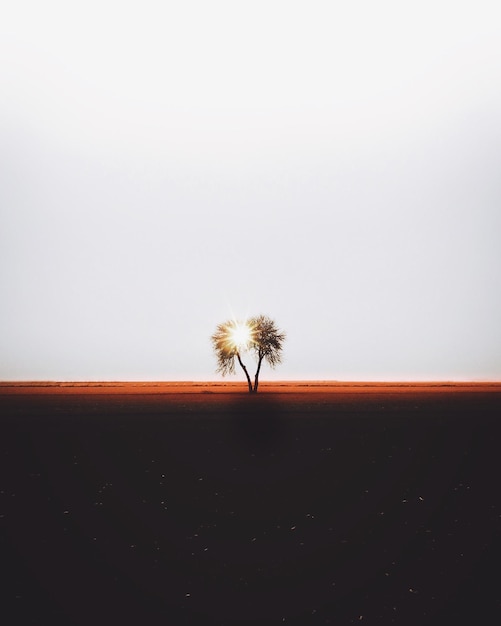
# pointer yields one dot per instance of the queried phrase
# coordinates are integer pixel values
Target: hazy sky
(165, 166)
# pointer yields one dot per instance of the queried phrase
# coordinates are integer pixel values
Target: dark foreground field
(203, 505)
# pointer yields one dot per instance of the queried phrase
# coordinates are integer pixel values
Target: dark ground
(223, 509)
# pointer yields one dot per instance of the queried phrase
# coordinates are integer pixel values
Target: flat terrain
(197, 503)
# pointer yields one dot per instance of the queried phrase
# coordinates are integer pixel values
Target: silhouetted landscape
(198, 503)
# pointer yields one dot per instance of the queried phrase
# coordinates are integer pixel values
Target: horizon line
(199, 382)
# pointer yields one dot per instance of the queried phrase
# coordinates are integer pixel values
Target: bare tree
(258, 335)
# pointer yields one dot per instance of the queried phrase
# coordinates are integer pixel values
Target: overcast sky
(165, 166)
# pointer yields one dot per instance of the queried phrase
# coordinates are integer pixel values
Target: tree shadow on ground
(258, 423)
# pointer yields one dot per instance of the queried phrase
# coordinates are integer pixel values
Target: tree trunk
(246, 372)
(256, 377)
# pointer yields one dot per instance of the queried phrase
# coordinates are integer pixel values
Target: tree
(258, 335)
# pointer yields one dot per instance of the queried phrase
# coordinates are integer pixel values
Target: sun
(240, 335)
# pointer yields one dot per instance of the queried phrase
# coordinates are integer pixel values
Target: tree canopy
(258, 335)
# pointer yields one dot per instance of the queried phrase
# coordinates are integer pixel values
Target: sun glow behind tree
(241, 335)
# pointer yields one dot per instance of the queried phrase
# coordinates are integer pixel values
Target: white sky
(165, 166)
